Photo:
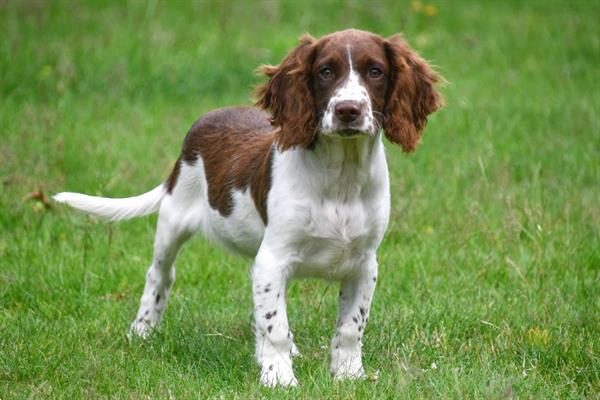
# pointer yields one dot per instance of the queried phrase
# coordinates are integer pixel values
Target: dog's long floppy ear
(411, 96)
(288, 96)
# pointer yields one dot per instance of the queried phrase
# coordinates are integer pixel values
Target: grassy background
(490, 272)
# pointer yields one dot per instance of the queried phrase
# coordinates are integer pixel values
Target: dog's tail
(115, 209)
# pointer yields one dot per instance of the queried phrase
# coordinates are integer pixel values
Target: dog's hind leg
(177, 222)
(160, 276)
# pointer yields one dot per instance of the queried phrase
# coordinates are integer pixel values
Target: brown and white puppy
(300, 184)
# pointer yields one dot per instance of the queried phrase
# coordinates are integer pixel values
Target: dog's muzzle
(350, 119)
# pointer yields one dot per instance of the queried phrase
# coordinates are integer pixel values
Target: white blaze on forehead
(351, 89)
(349, 58)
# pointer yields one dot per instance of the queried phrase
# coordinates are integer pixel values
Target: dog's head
(348, 84)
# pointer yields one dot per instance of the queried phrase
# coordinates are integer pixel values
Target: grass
(490, 271)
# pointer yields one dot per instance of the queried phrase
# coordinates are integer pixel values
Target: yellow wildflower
(430, 10)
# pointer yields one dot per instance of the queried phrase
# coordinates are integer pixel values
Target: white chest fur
(328, 207)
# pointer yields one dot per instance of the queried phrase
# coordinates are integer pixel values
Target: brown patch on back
(172, 179)
(236, 146)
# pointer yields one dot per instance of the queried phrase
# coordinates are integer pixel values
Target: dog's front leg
(355, 298)
(273, 337)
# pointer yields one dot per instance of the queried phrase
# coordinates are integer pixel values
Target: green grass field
(490, 271)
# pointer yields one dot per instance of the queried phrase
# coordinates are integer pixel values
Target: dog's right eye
(326, 73)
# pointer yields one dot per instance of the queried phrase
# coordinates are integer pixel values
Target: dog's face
(350, 78)
(348, 84)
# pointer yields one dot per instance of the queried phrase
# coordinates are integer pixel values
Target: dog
(299, 182)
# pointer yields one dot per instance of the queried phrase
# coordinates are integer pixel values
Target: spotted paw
(277, 375)
(140, 328)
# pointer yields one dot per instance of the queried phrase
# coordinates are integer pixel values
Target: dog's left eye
(375, 72)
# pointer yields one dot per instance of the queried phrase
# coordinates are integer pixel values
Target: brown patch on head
(289, 98)
(412, 95)
(236, 146)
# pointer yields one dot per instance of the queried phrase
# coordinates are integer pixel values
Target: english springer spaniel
(299, 183)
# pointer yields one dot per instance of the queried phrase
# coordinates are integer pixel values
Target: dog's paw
(347, 365)
(277, 375)
(140, 328)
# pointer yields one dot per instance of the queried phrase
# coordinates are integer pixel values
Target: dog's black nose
(348, 111)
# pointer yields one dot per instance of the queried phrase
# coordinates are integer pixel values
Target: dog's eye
(326, 73)
(375, 73)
